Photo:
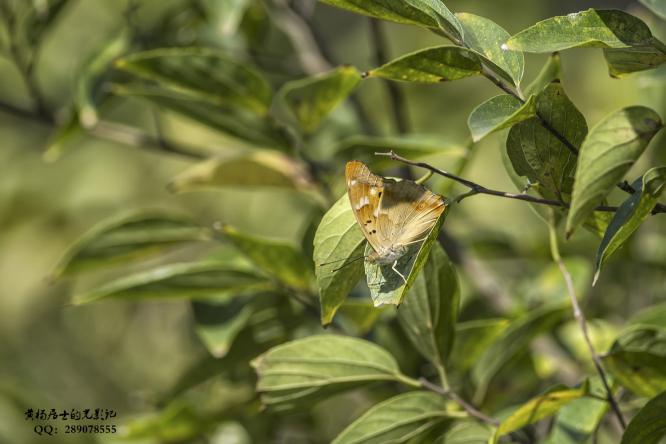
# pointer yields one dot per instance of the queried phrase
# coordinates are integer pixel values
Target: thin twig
(580, 318)
(469, 408)
(476, 188)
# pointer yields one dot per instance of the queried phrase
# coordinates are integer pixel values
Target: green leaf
(515, 339)
(93, 75)
(128, 237)
(428, 315)
(311, 99)
(486, 38)
(642, 372)
(577, 421)
(550, 72)
(431, 65)
(591, 28)
(190, 280)
(472, 339)
(386, 286)
(538, 408)
(649, 424)
(363, 148)
(237, 122)
(202, 74)
(278, 259)
(218, 324)
(259, 168)
(498, 113)
(653, 316)
(631, 214)
(626, 61)
(426, 13)
(40, 17)
(177, 422)
(397, 419)
(656, 6)
(320, 365)
(338, 243)
(466, 432)
(607, 153)
(536, 153)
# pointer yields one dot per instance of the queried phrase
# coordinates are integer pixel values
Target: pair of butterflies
(392, 214)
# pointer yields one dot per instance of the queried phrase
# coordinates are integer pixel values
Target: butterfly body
(392, 214)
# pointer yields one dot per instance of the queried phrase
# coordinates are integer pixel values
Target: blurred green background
(128, 355)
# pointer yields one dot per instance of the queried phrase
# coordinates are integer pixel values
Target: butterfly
(392, 214)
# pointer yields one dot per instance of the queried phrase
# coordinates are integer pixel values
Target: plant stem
(580, 318)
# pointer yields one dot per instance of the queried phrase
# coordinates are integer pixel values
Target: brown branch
(475, 188)
(580, 318)
(469, 408)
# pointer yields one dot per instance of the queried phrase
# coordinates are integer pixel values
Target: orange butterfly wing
(365, 191)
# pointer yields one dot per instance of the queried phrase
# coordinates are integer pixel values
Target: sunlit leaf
(278, 259)
(591, 28)
(631, 214)
(431, 65)
(128, 237)
(388, 287)
(427, 13)
(540, 407)
(321, 365)
(609, 150)
(430, 310)
(254, 169)
(202, 74)
(486, 38)
(188, 280)
(397, 419)
(649, 424)
(338, 245)
(311, 99)
(541, 156)
(498, 113)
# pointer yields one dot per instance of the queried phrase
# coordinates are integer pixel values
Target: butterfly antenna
(343, 265)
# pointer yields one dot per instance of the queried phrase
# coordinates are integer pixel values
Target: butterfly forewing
(365, 190)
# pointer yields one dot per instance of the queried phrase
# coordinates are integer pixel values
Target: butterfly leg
(399, 274)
